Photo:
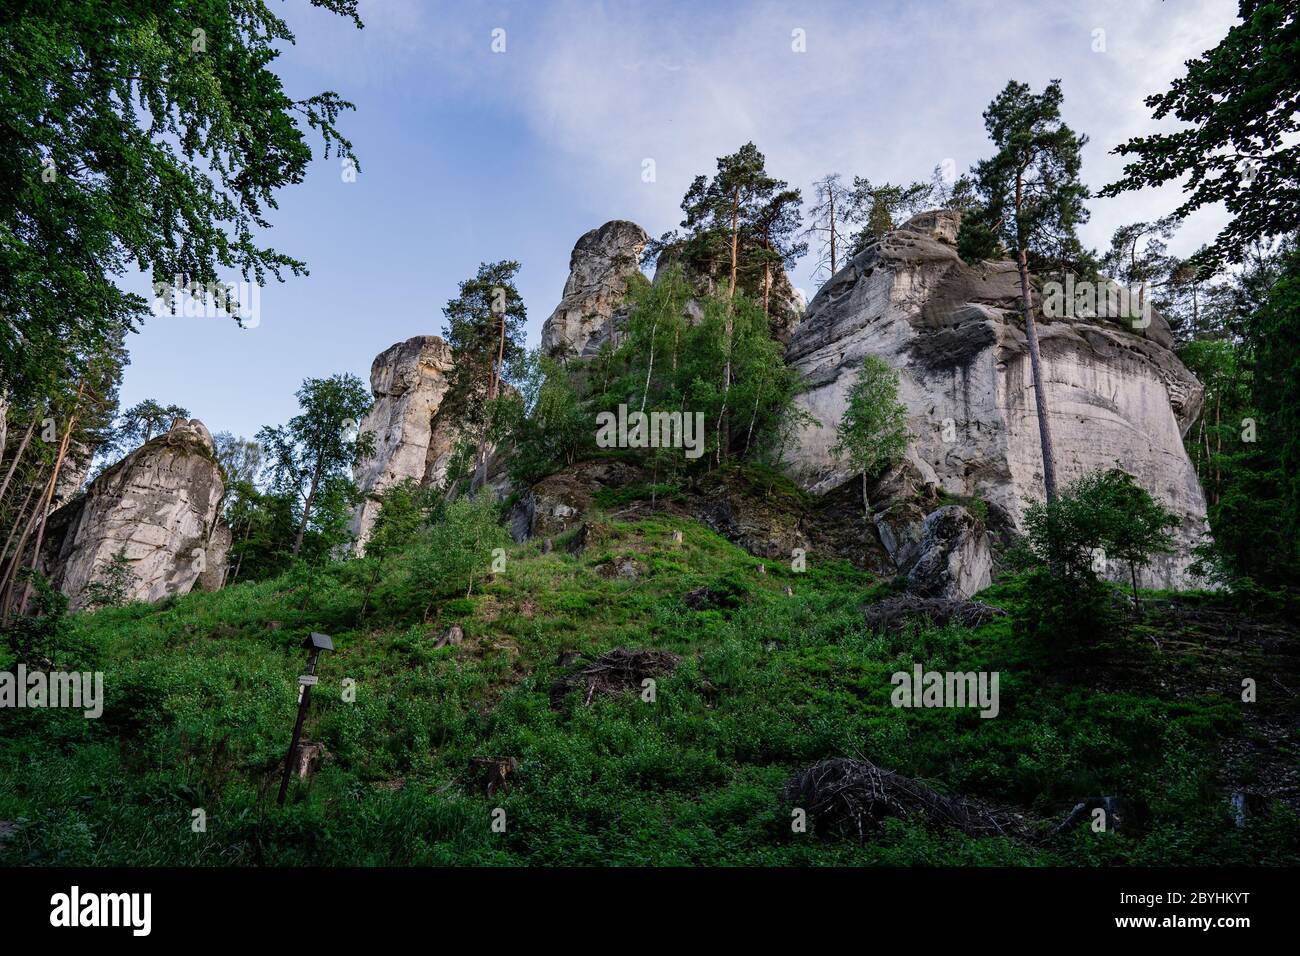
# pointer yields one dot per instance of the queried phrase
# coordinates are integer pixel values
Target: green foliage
(662, 363)
(1104, 510)
(880, 208)
(553, 427)
(38, 635)
(872, 432)
(154, 135)
(1145, 268)
(142, 421)
(1103, 515)
(736, 226)
(1244, 445)
(404, 509)
(485, 329)
(485, 305)
(1031, 196)
(1273, 334)
(446, 558)
(241, 459)
(1135, 527)
(310, 459)
(1236, 144)
(112, 584)
(875, 209)
(201, 698)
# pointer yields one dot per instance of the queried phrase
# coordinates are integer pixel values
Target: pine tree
(774, 226)
(1144, 267)
(1032, 200)
(726, 220)
(881, 208)
(141, 422)
(485, 329)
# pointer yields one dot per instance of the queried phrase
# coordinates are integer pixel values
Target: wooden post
(317, 643)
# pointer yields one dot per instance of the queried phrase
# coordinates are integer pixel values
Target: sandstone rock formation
(408, 380)
(76, 468)
(592, 309)
(599, 267)
(955, 559)
(160, 506)
(1117, 394)
(559, 501)
(414, 437)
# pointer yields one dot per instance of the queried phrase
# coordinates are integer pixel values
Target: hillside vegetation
(778, 671)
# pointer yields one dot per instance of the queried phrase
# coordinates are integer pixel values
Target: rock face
(559, 501)
(408, 380)
(1117, 394)
(76, 468)
(599, 268)
(160, 505)
(955, 558)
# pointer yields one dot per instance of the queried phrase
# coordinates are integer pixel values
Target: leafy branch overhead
(139, 137)
(1239, 105)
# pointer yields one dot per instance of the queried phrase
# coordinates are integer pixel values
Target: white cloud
(887, 91)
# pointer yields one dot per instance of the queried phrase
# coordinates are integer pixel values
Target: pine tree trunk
(735, 244)
(1040, 396)
(1035, 363)
(18, 523)
(49, 496)
(18, 455)
(1137, 605)
(729, 326)
(501, 356)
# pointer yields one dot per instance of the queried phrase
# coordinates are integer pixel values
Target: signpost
(315, 643)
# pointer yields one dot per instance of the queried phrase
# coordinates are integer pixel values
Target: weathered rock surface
(900, 500)
(599, 268)
(955, 560)
(559, 501)
(408, 380)
(159, 505)
(73, 474)
(592, 310)
(1117, 394)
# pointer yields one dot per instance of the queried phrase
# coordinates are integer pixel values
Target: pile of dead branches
(893, 611)
(614, 672)
(854, 797)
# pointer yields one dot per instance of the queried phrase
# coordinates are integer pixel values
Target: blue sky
(470, 155)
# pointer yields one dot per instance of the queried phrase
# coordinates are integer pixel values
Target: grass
(201, 696)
